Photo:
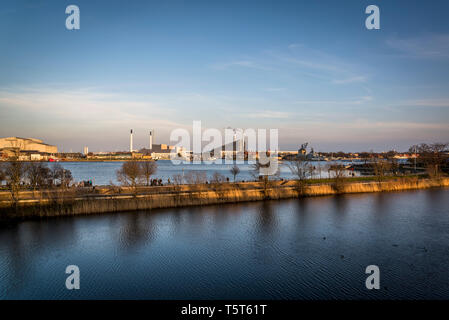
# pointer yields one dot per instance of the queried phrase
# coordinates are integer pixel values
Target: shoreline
(55, 203)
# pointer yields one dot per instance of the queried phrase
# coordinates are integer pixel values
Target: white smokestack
(131, 141)
(151, 139)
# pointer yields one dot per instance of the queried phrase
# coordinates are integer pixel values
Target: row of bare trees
(33, 175)
(303, 171)
(135, 173)
(138, 173)
(432, 157)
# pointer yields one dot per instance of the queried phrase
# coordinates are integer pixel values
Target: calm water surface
(103, 173)
(294, 249)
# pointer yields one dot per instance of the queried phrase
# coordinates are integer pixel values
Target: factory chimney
(131, 141)
(151, 139)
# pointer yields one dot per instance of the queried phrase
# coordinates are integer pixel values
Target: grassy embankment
(51, 203)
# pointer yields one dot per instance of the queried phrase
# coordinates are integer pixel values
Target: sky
(308, 68)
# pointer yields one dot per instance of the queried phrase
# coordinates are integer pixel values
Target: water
(103, 173)
(316, 248)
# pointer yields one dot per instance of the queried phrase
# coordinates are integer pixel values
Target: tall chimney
(131, 141)
(151, 139)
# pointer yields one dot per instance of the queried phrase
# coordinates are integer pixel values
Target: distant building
(137, 155)
(231, 150)
(25, 149)
(303, 150)
(111, 155)
(162, 151)
(27, 144)
(86, 151)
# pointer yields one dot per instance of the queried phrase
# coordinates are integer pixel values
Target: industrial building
(160, 151)
(25, 148)
(163, 151)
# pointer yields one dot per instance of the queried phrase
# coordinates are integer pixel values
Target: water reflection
(380, 203)
(266, 219)
(302, 212)
(340, 204)
(298, 248)
(22, 247)
(136, 230)
(435, 197)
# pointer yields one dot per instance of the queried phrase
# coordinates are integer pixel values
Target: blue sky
(308, 68)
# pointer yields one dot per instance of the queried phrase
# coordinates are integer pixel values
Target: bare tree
(66, 178)
(196, 177)
(218, 178)
(189, 177)
(177, 188)
(311, 170)
(60, 176)
(38, 174)
(337, 173)
(431, 157)
(256, 171)
(200, 177)
(394, 166)
(178, 179)
(15, 173)
(2, 174)
(148, 168)
(380, 168)
(218, 186)
(55, 173)
(319, 169)
(235, 170)
(298, 167)
(130, 174)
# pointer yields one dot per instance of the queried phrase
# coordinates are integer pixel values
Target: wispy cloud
(427, 103)
(395, 125)
(429, 46)
(356, 79)
(83, 105)
(319, 65)
(275, 89)
(241, 63)
(300, 59)
(268, 114)
(355, 101)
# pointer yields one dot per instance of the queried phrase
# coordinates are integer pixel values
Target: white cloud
(84, 106)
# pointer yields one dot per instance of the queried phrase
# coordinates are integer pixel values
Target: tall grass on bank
(52, 203)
